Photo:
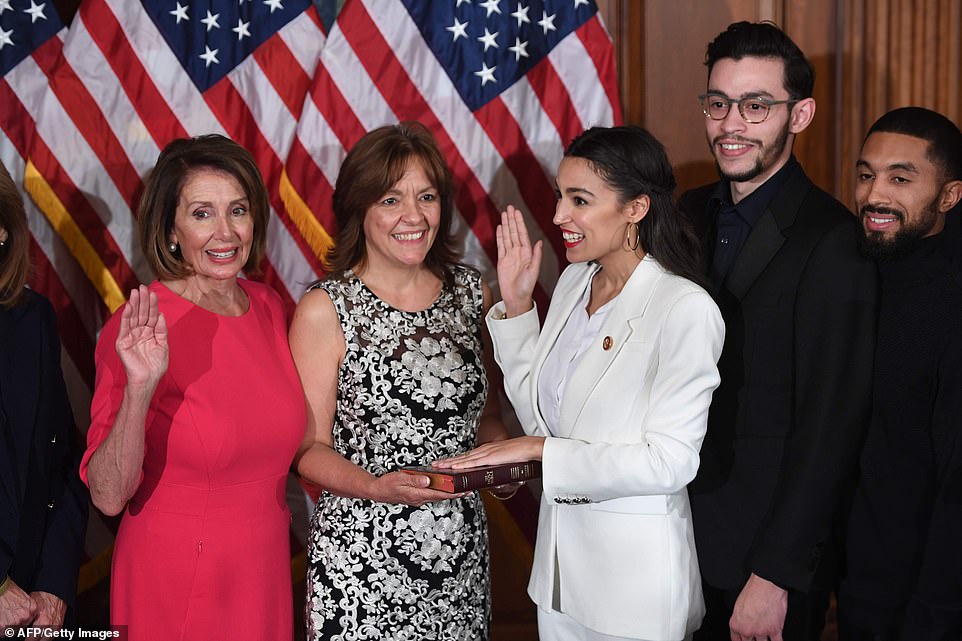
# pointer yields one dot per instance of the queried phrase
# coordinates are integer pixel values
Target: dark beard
(873, 244)
(762, 164)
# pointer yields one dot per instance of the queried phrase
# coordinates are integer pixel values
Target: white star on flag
(209, 56)
(242, 29)
(491, 6)
(36, 11)
(521, 15)
(489, 39)
(486, 74)
(547, 22)
(458, 30)
(180, 12)
(211, 20)
(520, 49)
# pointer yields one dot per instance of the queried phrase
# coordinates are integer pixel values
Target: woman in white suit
(612, 392)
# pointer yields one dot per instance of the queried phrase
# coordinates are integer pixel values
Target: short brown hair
(15, 253)
(374, 164)
(158, 204)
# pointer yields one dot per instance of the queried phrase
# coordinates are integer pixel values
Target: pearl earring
(172, 247)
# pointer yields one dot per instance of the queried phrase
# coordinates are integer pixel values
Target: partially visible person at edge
(799, 305)
(903, 579)
(43, 504)
(197, 412)
(390, 350)
(613, 393)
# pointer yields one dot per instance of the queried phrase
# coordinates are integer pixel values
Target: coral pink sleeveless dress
(203, 548)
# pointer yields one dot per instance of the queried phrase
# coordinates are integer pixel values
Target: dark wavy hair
(943, 136)
(158, 204)
(633, 163)
(15, 252)
(372, 166)
(764, 40)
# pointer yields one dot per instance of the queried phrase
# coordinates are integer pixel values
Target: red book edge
(477, 478)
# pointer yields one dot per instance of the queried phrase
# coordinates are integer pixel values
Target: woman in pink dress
(197, 412)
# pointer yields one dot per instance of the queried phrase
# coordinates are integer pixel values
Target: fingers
(536, 254)
(510, 220)
(125, 315)
(512, 232)
(143, 306)
(152, 307)
(502, 241)
(140, 310)
(520, 227)
(160, 329)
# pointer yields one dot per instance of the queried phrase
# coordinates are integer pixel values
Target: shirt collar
(752, 206)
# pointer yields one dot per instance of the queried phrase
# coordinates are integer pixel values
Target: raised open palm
(519, 263)
(142, 340)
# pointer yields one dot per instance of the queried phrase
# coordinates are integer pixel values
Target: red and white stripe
(376, 69)
(54, 272)
(119, 95)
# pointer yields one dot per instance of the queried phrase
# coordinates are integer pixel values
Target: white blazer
(615, 548)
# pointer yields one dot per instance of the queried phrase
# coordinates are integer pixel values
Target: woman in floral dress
(389, 350)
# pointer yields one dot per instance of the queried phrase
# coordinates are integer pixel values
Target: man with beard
(799, 305)
(904, 552)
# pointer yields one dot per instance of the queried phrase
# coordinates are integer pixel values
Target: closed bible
(477, 478)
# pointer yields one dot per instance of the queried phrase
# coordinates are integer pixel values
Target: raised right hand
(407, 489)
(518, 262)
(142, 340)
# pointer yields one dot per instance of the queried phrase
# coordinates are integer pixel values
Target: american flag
(106, 97)
(31, 35)
(134, 75)
(504, 85)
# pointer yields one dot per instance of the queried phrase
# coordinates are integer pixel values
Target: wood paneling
(869, 55)
(625, 22)
(812, 25)
(894, 53)
(676, 33)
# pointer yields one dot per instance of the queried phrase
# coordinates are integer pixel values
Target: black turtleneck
(904, 550)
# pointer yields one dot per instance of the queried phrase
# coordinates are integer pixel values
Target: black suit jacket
(43, 503)
(787, 421)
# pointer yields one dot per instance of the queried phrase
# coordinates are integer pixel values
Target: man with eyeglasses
(799, 305)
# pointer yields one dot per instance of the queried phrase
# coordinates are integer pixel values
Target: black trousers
(803, 622)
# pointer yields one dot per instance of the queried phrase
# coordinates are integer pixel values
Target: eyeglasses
(753, 109)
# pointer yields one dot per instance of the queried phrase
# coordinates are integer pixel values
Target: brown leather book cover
(477, 478)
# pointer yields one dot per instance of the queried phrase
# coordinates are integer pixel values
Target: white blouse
(578, 334)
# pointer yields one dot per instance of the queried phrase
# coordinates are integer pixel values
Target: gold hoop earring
(628, 244)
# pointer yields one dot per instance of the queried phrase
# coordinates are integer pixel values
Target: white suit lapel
(631, 304)
(563, 301)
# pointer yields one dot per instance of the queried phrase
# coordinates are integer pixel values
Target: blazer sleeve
(62, 549)
(834, 343)
(515, 341)
(9, 500)
(666, 459)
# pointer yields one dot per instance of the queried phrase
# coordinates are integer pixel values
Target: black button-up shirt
(734, 223)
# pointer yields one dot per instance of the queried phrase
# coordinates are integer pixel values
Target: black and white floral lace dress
(410, 390)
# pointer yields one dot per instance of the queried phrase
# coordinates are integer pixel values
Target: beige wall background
(870, 56)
